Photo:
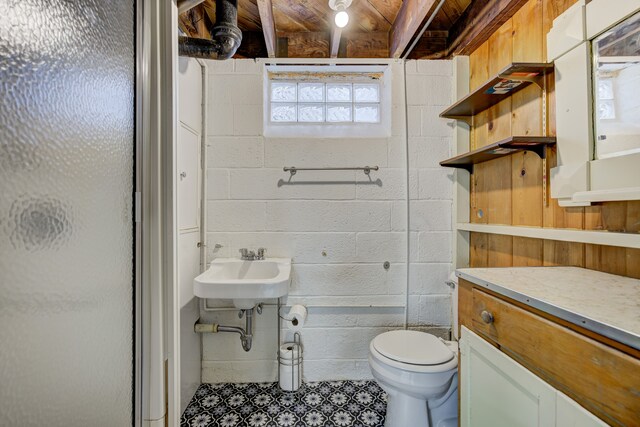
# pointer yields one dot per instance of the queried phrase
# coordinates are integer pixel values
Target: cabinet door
(495, 391)
(188, 178)
(570, 414)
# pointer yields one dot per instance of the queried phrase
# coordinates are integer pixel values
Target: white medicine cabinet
(596, 52)
(616, 86)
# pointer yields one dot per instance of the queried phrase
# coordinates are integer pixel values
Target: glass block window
(324, 102)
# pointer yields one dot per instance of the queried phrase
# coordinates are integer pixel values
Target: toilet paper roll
(289, 377)
(290, 366)
(296, 318)
(288, 353)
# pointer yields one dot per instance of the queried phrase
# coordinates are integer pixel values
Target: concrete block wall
(338, 227)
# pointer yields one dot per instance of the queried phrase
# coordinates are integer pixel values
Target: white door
(189, 169)
(495, 391)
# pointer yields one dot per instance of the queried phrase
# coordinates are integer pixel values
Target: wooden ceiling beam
(410, 17)
(265, 8)
(336, 34)
(481, 19)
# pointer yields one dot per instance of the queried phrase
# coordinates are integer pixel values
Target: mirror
(616, 84)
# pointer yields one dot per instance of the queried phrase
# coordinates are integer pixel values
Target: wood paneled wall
(509, 190)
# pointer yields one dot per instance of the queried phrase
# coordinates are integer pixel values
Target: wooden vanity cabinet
(575, 368)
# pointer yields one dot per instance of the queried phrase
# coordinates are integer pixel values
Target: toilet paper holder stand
(295, 362)
(296, 353)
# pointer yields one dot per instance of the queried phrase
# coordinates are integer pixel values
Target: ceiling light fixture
(341, 18)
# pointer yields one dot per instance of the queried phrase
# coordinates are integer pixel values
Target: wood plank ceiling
(377, 28)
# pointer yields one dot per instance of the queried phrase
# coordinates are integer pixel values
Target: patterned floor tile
(326, 404)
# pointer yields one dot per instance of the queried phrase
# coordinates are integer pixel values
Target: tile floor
(326, 404)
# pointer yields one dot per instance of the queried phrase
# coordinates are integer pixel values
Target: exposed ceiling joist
(409, 20)
(304, 28)
(481, 19)
(265, 9)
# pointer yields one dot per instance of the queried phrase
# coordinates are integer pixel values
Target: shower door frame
(141, 80)
(156, 354)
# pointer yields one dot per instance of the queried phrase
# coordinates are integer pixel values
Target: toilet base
(404, 410)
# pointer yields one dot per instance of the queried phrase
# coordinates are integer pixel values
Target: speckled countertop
(603, 303)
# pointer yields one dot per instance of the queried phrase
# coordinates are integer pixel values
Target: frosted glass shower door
(67, 73)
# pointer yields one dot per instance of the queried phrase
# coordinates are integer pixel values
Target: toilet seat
(416, 348)
(413, 351)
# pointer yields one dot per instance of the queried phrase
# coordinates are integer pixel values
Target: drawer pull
(487, 317)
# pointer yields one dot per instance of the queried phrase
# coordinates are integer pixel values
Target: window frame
(325, 102)
(329, 129)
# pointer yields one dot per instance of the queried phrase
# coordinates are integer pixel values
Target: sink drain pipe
(246, 334)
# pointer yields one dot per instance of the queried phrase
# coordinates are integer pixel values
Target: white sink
(247, 283)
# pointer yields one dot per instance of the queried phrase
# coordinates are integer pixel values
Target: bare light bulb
(342, 19)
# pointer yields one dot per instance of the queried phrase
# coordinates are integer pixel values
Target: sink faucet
(248, 255)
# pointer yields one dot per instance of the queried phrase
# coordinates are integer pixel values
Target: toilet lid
(416, 348)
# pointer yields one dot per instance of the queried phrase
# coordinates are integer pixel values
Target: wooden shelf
(508, 81)
(595, 237)
(537, 144)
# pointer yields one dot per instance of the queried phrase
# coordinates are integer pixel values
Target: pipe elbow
(229, 39)
(226, 37)
(247, 340)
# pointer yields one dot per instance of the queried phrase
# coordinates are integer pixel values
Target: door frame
(156, 361)
(141, 90)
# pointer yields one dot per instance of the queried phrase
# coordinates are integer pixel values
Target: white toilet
(419, 372)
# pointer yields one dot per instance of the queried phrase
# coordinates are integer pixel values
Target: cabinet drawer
(600, 378)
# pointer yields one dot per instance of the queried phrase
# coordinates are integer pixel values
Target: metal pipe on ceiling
(226, 36)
